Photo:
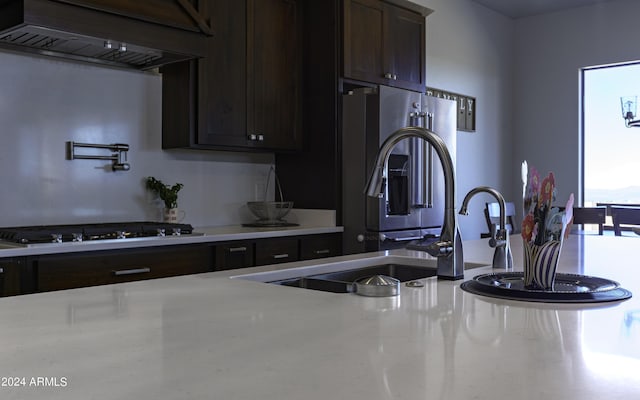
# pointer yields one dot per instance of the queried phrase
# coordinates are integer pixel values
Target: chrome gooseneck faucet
(449, 248)
(502, 257)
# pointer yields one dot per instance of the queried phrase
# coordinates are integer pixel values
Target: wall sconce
(629, 105)
(118, 158)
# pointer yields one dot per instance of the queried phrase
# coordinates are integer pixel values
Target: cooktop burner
(82, 232)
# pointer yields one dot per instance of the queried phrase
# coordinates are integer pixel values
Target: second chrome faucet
(502, 257)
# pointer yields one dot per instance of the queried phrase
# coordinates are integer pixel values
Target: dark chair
(492, 216)
(590, 215)
(625, 216)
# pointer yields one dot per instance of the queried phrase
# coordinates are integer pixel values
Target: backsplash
(45, 103)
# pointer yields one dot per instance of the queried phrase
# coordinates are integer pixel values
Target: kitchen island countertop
(211, 337)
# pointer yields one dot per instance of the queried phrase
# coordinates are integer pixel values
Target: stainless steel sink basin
(401, 272)
(341, 282)
(316, 284)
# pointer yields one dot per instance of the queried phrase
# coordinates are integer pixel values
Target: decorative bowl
(270, 210)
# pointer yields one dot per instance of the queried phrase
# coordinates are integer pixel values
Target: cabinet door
(275, 73)
(276, 250)
(236, 254)
(58, 272)
(222, 77)
(363, 42)
(10, 276)
(405, 45)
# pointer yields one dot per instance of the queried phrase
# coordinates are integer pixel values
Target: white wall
(551, 50)
(470, 51)
(45, 103)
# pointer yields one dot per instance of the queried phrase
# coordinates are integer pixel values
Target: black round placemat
(568, 288)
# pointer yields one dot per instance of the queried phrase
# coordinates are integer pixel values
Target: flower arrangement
(543, 228)
(542, 221)
(168, 194)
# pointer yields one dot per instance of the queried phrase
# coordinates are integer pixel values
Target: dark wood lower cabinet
(256, 252)
(66, 271)
(32, 274)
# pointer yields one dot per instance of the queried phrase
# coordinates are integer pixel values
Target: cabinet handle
(1, 270)
(132, 271)
(237, 249)
(280, 256)
(323, 251)
(389, 75)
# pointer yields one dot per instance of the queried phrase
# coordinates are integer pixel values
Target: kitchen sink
(341, 281)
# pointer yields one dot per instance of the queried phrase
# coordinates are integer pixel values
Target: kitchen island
(208, 336)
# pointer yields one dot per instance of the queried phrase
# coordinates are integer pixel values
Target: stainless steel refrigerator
(413, 203)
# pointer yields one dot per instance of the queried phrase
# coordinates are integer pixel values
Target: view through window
(611, 151)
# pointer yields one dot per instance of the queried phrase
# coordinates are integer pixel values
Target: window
(611, 151)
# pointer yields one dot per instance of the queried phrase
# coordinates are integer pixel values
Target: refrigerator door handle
(422, 164)
(429, 124)
(418, 162)
(429, 175)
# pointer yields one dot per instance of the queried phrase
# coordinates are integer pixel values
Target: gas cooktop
(85, 232)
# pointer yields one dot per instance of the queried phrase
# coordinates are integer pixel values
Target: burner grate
(100, 231)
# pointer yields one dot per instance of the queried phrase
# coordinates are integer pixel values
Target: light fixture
(629, 105)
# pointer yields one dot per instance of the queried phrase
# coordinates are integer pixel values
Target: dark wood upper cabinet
(384, 43)
(246, 93)
(348, 43)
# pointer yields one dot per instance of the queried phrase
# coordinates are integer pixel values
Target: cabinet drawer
(320, 246)
(100, 268)
(275, 251)
(232, 255)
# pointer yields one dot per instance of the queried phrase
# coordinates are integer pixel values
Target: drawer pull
(323, 251)
(1, 270)
(132, 271)
(237, 249)
(280, 256)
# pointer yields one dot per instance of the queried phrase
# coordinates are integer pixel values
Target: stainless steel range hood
(92, 32)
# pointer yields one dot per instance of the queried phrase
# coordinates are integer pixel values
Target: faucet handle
(440, 249)
(500, 239)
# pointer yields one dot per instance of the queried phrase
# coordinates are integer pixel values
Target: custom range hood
(141, 34)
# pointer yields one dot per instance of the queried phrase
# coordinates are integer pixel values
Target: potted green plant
(168, 194)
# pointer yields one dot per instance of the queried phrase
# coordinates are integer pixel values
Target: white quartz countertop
(211, 337)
